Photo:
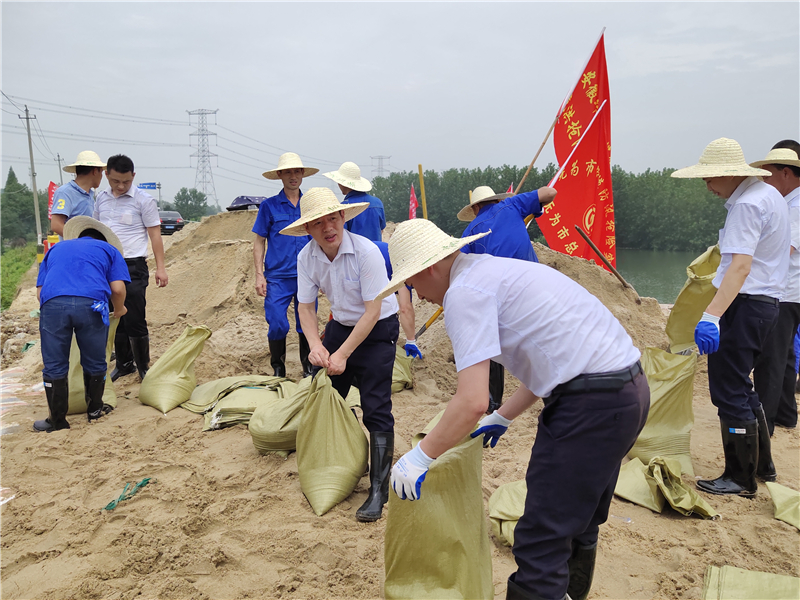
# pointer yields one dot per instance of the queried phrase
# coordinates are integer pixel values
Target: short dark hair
(93, 233)
(120, 163)
(84, 170)
(789, 145)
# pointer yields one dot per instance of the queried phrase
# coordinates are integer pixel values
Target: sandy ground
(220, 521)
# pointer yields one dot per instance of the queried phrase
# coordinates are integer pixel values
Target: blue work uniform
(280, 265)
(369, 223)
(71, 200)
(506, 221)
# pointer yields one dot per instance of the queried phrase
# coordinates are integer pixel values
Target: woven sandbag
(506, 506)
(206, 395)
(401, 372)
(692, 300)
(274, 424)
(238, 406)
(727, 583)
(786, 502)
(170, 382)
(77, 391)
(331, 447)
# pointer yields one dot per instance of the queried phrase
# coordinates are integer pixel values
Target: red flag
(510, 189)
(51, 190)
(412, 204)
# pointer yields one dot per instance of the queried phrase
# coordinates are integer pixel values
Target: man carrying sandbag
(566, 348)
(360, 339)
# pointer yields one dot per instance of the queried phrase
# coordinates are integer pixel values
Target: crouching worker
(566, 348)
(76, 279)
(360, 339)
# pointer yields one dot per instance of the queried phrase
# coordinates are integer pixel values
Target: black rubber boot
(581, 570)
(305, 350)
(94, 385)
(122, 348)
(381, 449)
(766, 468)
(497, 374)
(141, 354)
(57, 392)
(740, 445)
(277, 357)
(514, 591)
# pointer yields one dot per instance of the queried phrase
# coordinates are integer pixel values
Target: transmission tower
(204, 180)
(380, 169)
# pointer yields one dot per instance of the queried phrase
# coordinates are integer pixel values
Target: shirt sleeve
(742, 230)
(383, 219)
(260, 226)
(118, 270)
(372, 273)
(794, 223)
(526, 204)
(42, 272)
(470, 317)
(307, 288)
(149, 209)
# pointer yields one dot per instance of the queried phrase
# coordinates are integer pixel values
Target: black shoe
(305, 350)
(122, 369)
(141, 354)
(581, 570)
(497, 382)
(124, 356)
(381, 449)
(57, 392)
(766, 468)
(740, 446)
(515, 591)
(277, 357)
(94, 385)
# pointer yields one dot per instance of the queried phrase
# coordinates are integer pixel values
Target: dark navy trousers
(59, 318)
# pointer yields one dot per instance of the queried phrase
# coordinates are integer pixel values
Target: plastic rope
(127, 495)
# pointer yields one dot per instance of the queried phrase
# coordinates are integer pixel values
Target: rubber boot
(122, 348)
(277, 357)
(381, 449)
(766, 468)
(514, 591)
(94, 385)
(496, 386)
(740, 445)
(305, 350)
(57, 392)
(141, 354)
(581, 570)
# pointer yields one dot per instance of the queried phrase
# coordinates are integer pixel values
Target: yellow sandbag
(730, 583)
(692, 300)
(635, 486)
(437, 546)
(667, 432)
(170, 382)
(77, 391)
(238, 406)
(684, 499)
(401, 372)
(274, 424)
(206, 395)
(506, 506)
(332, 449)
(786, 502)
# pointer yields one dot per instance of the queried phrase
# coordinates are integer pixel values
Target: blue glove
(409, 473)
(102, 308)
(706, 334)
(412, 349)
(492, 427)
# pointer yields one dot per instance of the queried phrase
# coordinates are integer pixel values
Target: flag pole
(603, 258)
(422, 190)
(544, 141)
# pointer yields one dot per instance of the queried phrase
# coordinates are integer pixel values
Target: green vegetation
(14, 263)
(16, 205)
(191, 203)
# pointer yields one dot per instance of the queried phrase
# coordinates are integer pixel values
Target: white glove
(492, 427)
(409, 473)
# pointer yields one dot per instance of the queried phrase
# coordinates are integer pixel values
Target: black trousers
(134, 323)
(774, 375)
(372, 364)
(743, 329)
(575, 461)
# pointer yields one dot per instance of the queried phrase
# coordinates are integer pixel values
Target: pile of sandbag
(274, 423)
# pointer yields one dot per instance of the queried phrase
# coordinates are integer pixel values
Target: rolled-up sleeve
(372, 274)
(307, 288)
(527, 204)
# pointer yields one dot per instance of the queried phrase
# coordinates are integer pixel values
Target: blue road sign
(146, 186)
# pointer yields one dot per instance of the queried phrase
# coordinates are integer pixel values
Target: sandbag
(635, 486)
(692, 300)
(437, 546)
(667, 432)
(506, 506)
(206, 395)
(332, 449)
(238, 403)
(401, 372)
(170, 382)
(786, 502)
(274, 424)
(728, 583)
(77, 391)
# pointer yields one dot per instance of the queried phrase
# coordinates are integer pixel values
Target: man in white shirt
(774, 375)
(132, 214)
(566, 348)
(360, 339)
(754, 244)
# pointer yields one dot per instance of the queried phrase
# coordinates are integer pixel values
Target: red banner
(51, 190)
(510, 189)
(412, 204)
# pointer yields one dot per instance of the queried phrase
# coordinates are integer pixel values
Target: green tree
(16, 206)
(191, 203)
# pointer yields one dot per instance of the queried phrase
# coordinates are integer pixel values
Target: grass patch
(14, 263)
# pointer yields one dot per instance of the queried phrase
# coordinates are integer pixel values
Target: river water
(655, 273)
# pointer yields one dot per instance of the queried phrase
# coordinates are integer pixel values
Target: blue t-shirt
(274, 214)
(506, 220)
(71, 200)
(385, 251)
(369, 223)
(82, 267)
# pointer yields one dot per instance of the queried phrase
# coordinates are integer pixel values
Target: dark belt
(599, 382)
(135, 261)
(760, 298)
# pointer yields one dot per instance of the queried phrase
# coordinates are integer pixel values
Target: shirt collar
(793, 194)
(79, 188)
(739, 191)
(346, 247)
(354, 193)
(283, 198)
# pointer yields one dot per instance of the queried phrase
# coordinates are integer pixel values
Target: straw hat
(481, 193)
(349, 175)
(779, 156)
(721, 158)
(77, 225)
(318, 202)
(87, 158)
(289, 160)
(416, 245)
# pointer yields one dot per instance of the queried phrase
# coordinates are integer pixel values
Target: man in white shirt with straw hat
(360, 339)
(77, 197)
(276, 269)
(566, 348)
(750, 279)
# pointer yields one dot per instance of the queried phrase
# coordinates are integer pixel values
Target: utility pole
(204, 180)
(39, 247)
(60, 172)
(158, 187)
(380, 169)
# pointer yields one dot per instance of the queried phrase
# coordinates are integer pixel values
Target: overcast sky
(443, 84)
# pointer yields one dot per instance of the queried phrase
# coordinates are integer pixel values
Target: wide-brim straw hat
(87, 158)
(77, 225)
(349, 175)
(721, 158)
(778, 156)
(289, 160)
(482, 193)
(416, 245)
(318, 202)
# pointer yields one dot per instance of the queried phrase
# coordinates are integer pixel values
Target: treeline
(18, 220)
(653, 211)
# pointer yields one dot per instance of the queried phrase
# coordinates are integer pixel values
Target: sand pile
(220, 521)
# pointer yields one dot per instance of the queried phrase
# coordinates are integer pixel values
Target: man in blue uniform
(372, 221)
(503, 215)
(276, 277)
(76, 280)
(77, 197)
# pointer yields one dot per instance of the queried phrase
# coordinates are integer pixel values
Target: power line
(152, 120)
(41, 136)
(72, 136)
(10, 100)
(282, 150)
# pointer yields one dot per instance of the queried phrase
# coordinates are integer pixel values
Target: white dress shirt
(542, 326)
(356, 274)
(757, 225)
(128, 216)
(792, 291)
